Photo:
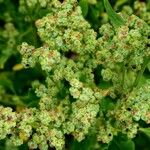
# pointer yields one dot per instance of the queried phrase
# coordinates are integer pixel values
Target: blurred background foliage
(17, 26)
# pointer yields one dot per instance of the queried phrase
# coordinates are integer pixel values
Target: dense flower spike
(67, 30)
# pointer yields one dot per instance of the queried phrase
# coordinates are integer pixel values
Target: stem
(25, 33)
(136, 82)
(113, 16)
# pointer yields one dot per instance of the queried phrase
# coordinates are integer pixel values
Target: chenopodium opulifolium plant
(72, 101)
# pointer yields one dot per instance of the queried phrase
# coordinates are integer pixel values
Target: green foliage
(145, 131)
(84, 7)
(74, 76)
(115, 18)
(122, 143)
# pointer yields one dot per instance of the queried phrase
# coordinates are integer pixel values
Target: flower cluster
(67, 30)
(130, 110)
(123, 52)
(92, 81)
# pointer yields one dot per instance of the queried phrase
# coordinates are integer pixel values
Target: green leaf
(87, 144)
(127, 145)
(5, 53)
(121, 142)
(6, 82)
(106, 104)
(113, 16)
(146, 131)
(84, 7)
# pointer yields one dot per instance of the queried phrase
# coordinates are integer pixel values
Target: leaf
(146, 131)
(106, 104)
(121, 142)
(84, 7)
(5, 53)
(6, 82)
(87, 144)
(113, 16)
(3, 59)
(127, 145)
